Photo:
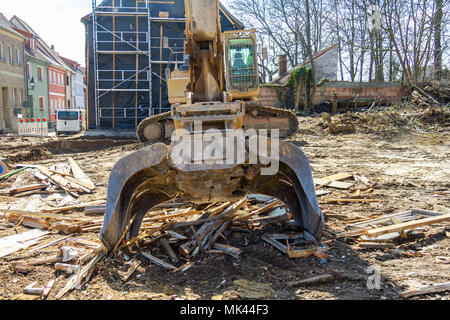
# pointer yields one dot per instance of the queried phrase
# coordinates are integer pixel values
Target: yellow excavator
(217, 97)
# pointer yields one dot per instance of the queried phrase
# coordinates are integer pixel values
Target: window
(32, 44)
(39, 73)
(59, 104)
(1, 51)
(10, 54)
(53, 77)
(67, 80)
(29, 71)
(14, 97)
(52, 104)
(17, 57)
(68, 115)
(41, 103)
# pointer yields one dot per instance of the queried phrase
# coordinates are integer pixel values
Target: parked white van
(69, 121)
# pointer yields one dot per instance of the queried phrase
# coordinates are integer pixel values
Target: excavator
(217, 96)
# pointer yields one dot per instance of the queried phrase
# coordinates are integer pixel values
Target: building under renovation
(129, 46)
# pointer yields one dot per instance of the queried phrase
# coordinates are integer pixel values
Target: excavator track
(159, 128)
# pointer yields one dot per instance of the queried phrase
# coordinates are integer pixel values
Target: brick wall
(388, 92)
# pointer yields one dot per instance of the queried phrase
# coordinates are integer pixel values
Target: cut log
(68, 268)
(169, 250)
(45, 260)
(311, 281)
(48, 288)
(22, 267)
(441, 287)
(376, 245)
(232, 251)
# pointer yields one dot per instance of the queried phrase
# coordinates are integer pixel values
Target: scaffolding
(131, 43)
(125, 52)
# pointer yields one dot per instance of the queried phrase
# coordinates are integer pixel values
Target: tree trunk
(437, 41)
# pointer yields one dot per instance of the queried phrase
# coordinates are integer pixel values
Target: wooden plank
(158, 262)
(58, 180)
(351, 200)
(169, 250)
(258, 211)
(376, 245)
(300, 253)
(441, 287)
(77, 206)
(338, 176)
(31, 187)
(407, 225)
(135, 263)
(274, 243)
(232, 251)
(14, 243)
(333, 184)
(80, 175)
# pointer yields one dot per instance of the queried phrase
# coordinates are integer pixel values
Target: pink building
(56, 90)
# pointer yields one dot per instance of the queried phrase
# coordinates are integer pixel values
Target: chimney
(282, 65)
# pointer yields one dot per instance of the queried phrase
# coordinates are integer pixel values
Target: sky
(56, 21)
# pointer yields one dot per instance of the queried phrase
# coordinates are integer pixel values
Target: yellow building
(12, 76)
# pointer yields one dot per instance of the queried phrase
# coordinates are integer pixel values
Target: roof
(7, 26)
(48, 53)
(315, 57)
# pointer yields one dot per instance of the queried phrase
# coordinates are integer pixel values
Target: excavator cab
(241, 64)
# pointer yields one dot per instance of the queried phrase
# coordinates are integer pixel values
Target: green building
(37, 102)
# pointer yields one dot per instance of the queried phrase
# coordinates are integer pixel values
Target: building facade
(37, 78)
(77, 88)
(56, 90)
(12, 76)
(126, 59)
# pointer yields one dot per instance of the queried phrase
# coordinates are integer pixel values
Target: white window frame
(13, 97)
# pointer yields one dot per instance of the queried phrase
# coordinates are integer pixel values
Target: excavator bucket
(148, 177)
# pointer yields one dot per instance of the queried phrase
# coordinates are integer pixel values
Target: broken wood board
(441, 287)
(338, 176)
(267, 238)
(376, 245)
(333, 184)
(300, 253)
(14, 243)
(407, 225)
(60, 181)
(157, 261)
(80, 175)
(351, 200)
(232, 251)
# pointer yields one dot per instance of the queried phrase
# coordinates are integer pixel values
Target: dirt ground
(406, 154)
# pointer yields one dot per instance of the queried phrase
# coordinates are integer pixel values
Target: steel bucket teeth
(146, 178)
